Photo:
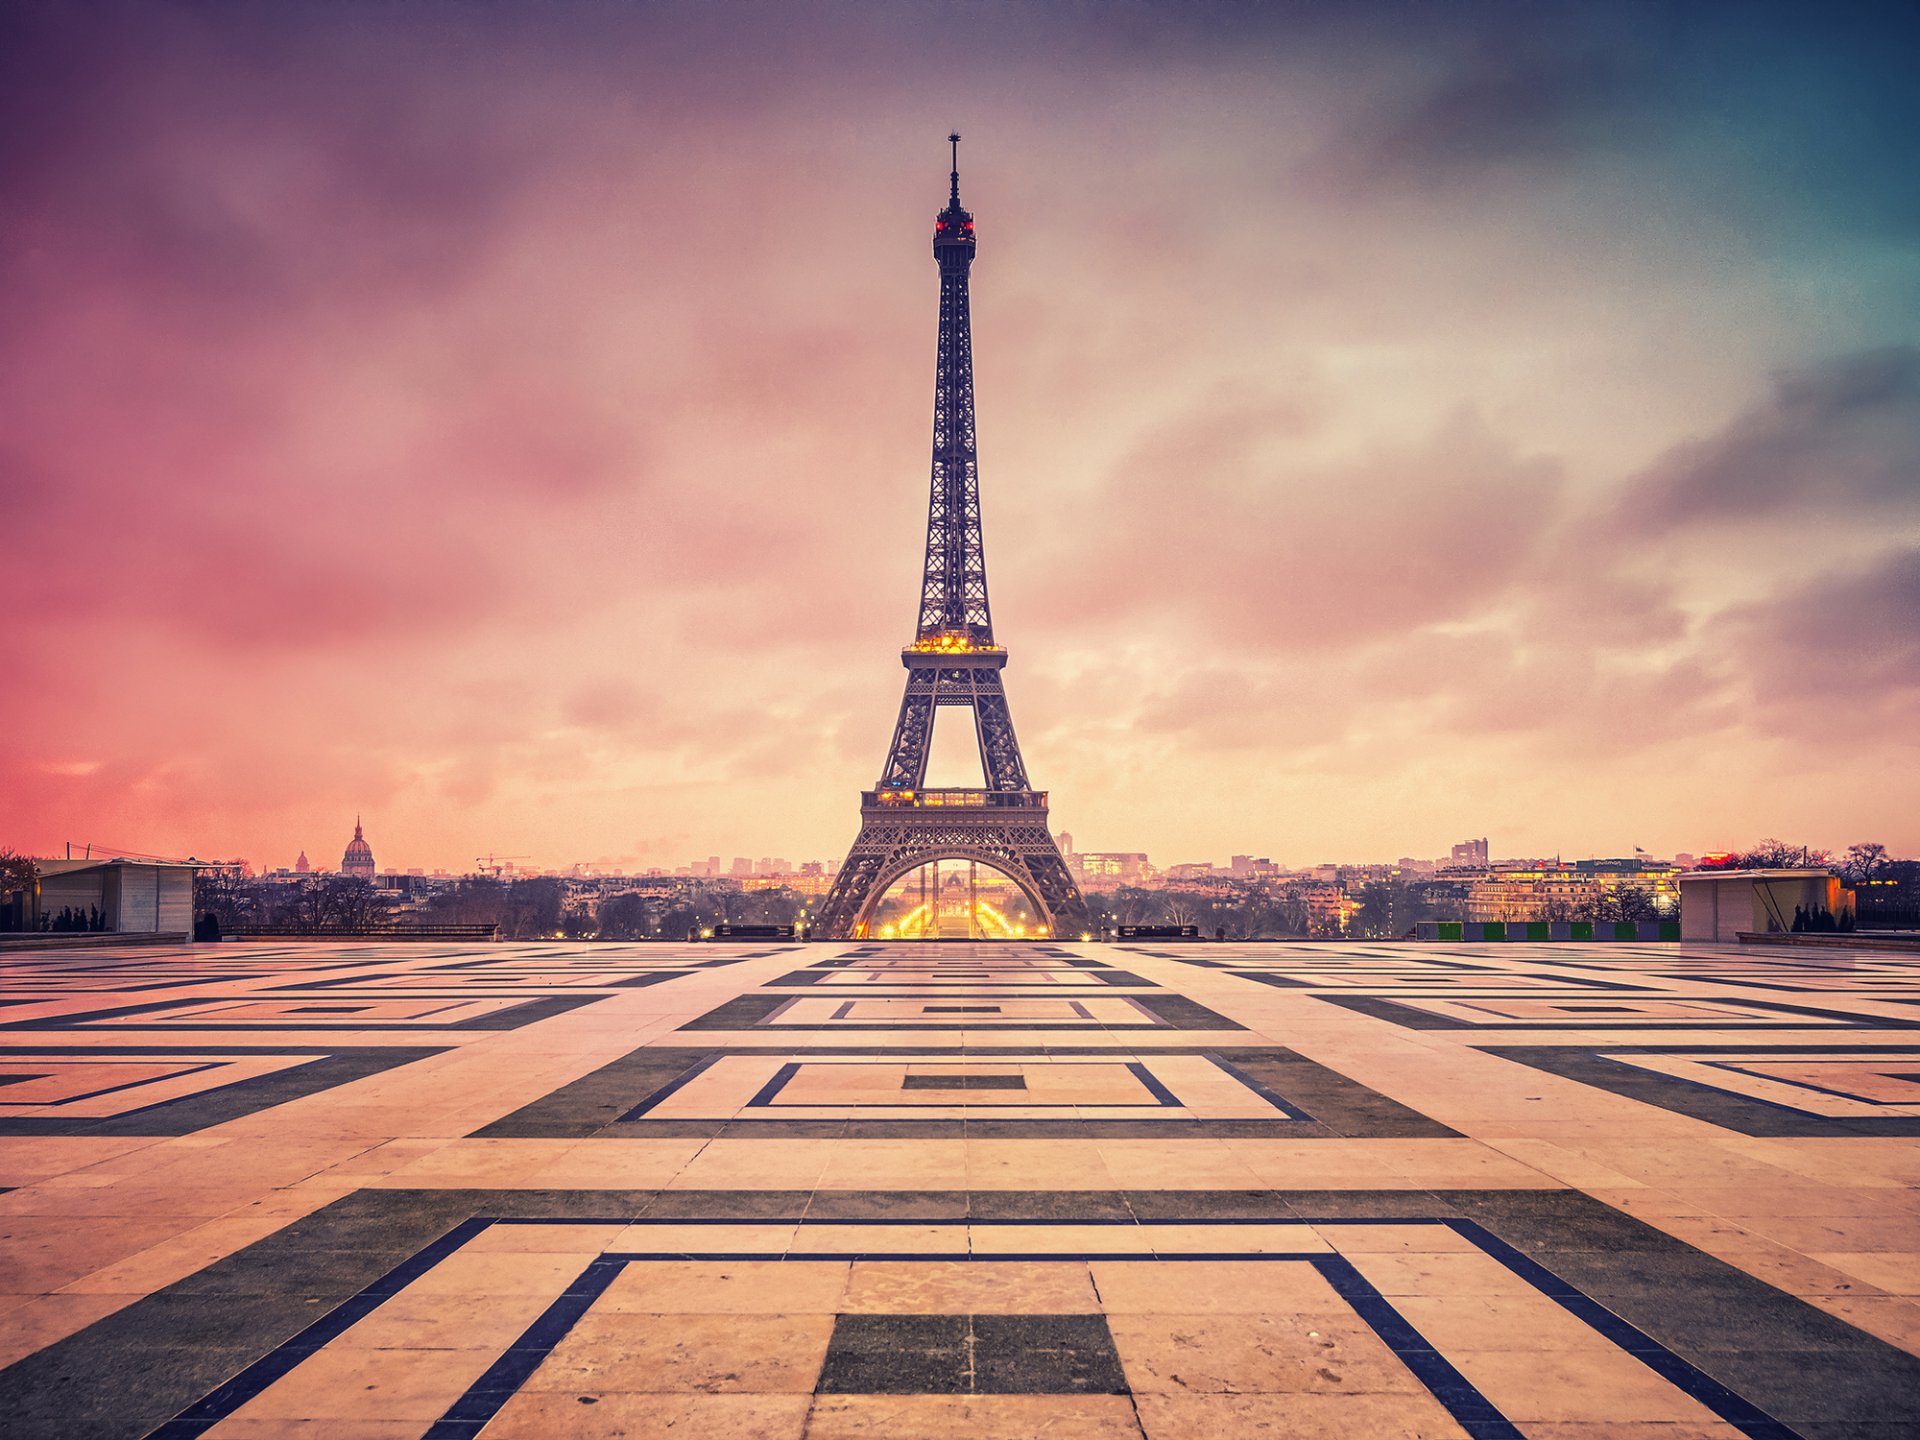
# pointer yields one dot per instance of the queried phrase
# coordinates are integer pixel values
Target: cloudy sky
(1398, 422)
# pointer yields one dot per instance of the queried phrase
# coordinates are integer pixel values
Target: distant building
(1105, 869)
(121, 897)
(1066, 846)
(358, 860)
(1470, 852)
(301, 866)
(1327, 907)
(742, 865)
(1530, 894)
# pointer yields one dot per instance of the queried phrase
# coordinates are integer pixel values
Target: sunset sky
(1397, 422)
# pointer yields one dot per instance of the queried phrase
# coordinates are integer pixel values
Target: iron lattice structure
(953, 660)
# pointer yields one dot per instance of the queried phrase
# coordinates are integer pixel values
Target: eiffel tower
(953, 660)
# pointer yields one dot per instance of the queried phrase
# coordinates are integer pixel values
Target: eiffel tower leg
(895, 839)
(913, 732)
(999, 747)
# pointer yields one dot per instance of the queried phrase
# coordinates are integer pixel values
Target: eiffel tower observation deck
(954, 660)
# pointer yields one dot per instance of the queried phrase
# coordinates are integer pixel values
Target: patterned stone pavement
(1563, 1192)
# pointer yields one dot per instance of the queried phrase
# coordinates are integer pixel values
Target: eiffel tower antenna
(954, 660)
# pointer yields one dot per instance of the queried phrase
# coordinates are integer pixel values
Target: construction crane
(494, 864)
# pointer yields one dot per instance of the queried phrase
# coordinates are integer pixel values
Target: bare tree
(19, 882)
(1771, 854)
(1865, 862)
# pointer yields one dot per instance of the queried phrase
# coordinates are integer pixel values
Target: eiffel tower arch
(954, 661)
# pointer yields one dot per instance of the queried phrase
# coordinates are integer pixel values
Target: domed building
(358, 861)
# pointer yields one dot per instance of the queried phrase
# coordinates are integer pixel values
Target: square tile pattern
(1563, 1192)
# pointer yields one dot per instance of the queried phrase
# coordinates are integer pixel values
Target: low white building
(124, 897)
(1717, 905)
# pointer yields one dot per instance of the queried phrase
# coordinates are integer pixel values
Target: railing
(298, 931)
(1889, 914)
(952, 645)
(956, 799)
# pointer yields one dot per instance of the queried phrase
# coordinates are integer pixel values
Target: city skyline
(357, 859)
(391, 427)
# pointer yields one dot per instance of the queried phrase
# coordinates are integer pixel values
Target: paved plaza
(1566, 1192)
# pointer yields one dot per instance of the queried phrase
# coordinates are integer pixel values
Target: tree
(1771, 854)
(1630, 902)
(624, 917)
(225, 892)
(1382, 913)
(19, 881)
(346, 902)
(1554, 909)
(1865, 862)
(533, 909)
(17, 872)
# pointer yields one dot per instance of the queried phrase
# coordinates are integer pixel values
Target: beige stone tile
(617, 1165)
(1895, 1272)
(742, 1287)
(39, 1321)
(1395, 1239)
(755, 1165)
(1175, 1165)
(1562, 1385)
(622, 1350)
(966, 1287)
(500, 1274)
(1036, 1165)
(1631, 1430)
(1213, 1287)
(1842, 1233)
(1497, 1322)
(182, 1255)
(972, 1417)
(1894, 1318)
(1256, 1354)
(236, 1429)
(895, 1165)
(855, 1239)
(1296, 1417)
(614, 1415)
(422, 1321)
(515, 1238)
(772, 1238)
(30, 1160)
(347, 1383)
(1261, 1239)
(1431, 1273)
(1118, 1238)
(47, 1252)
